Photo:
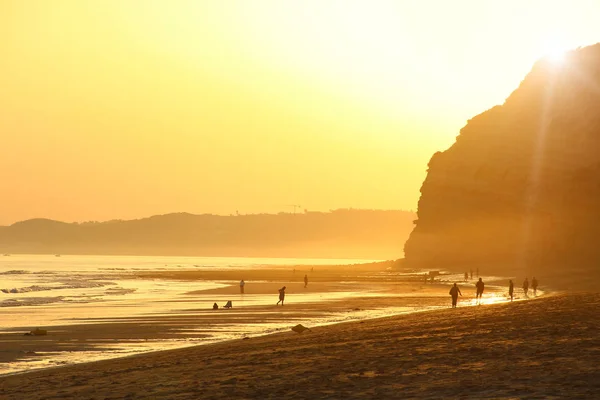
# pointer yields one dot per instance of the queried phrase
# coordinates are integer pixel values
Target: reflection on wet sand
(148, 310)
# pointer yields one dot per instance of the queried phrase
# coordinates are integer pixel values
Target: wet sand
(334, 294)
(543, 348)
(95, 337)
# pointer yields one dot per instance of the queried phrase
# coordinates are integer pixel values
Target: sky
(121, 109)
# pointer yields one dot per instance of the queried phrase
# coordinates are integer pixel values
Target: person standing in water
(281, 295)
(242, 284)
(454, 292)
(511, 289)
(479, 286)
(526, 287)
(534, 286)
(305, 280)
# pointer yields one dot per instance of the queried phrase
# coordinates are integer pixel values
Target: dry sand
(544, 348)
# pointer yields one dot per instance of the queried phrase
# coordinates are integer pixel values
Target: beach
(97, 308)
(543, 348)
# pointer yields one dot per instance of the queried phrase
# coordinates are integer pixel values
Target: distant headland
(342, 233)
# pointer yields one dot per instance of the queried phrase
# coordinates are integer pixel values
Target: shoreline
(482, 352)
(258, 335)
(383, 308)
(335, 294)
(225, 341)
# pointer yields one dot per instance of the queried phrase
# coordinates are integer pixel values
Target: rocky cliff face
(520, 187)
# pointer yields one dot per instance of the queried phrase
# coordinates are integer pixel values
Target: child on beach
(281, 295)
(454, 292)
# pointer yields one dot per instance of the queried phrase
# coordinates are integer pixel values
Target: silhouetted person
(526, 287)
(534, 286)
(479, 286)
(228, 304)
(511, 289)
(281, 295)
(471, 273)
(242, 284)
(466, 276)
(215, 306)
(454, 292)
(305, 280)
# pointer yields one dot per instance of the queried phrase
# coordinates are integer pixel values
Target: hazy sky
(128, 108)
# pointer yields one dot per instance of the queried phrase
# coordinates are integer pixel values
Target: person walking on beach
(511, 289)
(305, 280)
(242, 284)
(526, 287)
(454, 292)
(534, 286)
(466, 276)
(281, 295)
(479, 286)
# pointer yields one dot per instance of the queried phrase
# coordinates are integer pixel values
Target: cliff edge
(519, 190)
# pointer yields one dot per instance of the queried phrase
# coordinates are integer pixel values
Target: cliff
(368, 234)
(519, 190)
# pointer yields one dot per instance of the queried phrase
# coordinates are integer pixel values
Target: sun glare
(554, 50)
(556, 55)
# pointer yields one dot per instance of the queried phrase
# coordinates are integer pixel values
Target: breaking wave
(30, 301)
(67, 285)
(34, 288)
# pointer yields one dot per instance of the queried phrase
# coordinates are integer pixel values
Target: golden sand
(544, 348)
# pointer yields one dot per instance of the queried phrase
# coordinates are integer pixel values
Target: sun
(556, 55)
(554, 49)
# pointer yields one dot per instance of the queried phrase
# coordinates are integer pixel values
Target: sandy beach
(170, 308)
(543, 348)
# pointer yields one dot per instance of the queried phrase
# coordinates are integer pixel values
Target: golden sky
(129, 108)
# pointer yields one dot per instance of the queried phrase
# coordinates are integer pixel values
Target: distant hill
(518, 191)
(345, 233)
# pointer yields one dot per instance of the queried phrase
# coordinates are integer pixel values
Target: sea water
(70, 287)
